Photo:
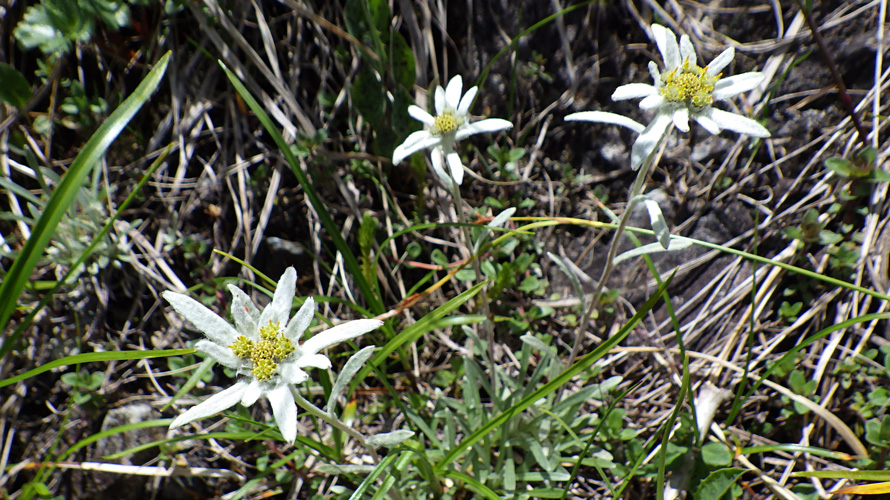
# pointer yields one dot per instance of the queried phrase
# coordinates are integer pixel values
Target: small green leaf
(880, 176)
(366, 20)
(413, 250)
(827, 237)
(839, 166)
(401, 60)
(369, 97)
(390, 439)
(14, 88)
(797, 381)
(440, 259)
(716, 455)
(53, 25)
(366, 242)
(718, 483)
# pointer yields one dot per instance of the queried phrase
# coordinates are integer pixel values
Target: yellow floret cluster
(689, 84)
(272, 348)
(445, 123)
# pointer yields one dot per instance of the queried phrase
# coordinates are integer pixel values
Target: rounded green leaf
(14, 89)
(716, 455)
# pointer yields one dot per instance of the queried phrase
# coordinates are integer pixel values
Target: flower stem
(354, 434)
(318, 413)
(635, 191)
(487, 329)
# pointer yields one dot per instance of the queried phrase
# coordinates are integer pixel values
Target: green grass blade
(92, 438)
(413, 332)
(256, 481)
(369, 480)
(326, 451)
(473, 485)
(91, 357)
(352, 265)
(20, 272)
(192, 381)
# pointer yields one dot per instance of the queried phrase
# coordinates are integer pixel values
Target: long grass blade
(20, 272)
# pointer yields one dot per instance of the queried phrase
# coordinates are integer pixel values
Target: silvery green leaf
(390, 439)
(344, 469)
(541, 455)
(603, 388)
(509, 474)
(352, 366)
(651, 248)
(498, 221)
(658, 223)
(570, 273)
(536, 343)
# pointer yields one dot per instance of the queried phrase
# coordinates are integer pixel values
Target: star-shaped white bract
(264, 348)
(680, 92)
(450, 124)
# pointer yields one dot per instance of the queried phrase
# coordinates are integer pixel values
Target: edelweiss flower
(450, 124)
(263, 348)
(682, 91)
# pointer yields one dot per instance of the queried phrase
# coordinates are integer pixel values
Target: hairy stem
(642, 174)
(487, 329)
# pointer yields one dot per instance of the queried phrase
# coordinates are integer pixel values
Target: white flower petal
(706, 122)
(220, 354)
(649, 139)
(606, 117)
(244, 312)
(455, 166)
(279, 309)
(452, 93)
(737, 123)
(252, 393)
(421, 115)
(687, 51)
(339, 333)
(421, 139)
(439, 100)
(681, 118)
(634, 91)
(205, 320)
(667, 45)
(720, 62)
(482, 126)
(652, 102)
(706, 403)
(437, 158)
(291, 374)
(300, 321)
(319, 361)
(736, 84)
(285, 411)
(654, 73)
(213, 405)
(464, 107)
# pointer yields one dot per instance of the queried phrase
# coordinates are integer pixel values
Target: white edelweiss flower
(682, 91)
(450, 124)
(264, 348)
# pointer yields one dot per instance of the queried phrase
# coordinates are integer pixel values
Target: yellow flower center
(272, 348)
(689, 84)
(445, 123)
